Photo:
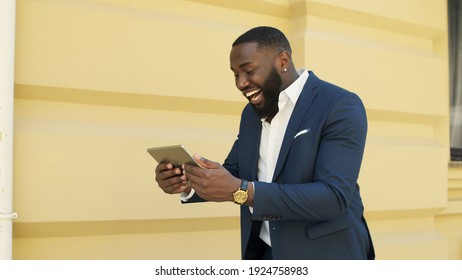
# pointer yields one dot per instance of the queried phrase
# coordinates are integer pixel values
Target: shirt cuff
(185, 196)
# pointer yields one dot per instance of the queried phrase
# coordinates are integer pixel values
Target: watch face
(240, 196)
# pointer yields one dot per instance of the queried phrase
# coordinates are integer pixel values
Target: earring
(285, 70)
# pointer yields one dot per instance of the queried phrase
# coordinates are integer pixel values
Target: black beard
(270, 91)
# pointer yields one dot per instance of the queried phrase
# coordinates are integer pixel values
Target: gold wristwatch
(241, 195)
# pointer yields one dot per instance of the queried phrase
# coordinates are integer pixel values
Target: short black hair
(266, 38)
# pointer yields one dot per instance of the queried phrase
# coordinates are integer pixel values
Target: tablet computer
(176, 154)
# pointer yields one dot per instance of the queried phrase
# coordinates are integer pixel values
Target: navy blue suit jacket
(313, 204)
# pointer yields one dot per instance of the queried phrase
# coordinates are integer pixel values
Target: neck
(289, 77)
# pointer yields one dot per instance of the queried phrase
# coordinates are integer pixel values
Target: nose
(242, 82)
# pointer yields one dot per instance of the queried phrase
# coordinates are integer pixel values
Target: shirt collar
(295, 89)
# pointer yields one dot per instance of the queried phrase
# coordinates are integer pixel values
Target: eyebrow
(242, 65)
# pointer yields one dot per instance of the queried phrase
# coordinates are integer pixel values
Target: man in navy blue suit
(294, 166)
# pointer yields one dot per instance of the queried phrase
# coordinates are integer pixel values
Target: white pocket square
(302, 132)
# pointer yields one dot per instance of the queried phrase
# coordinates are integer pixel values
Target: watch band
(244, 185)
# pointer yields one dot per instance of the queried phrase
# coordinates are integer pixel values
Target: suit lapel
(304, 101)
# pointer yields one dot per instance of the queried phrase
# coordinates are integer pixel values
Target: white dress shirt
(272, 135)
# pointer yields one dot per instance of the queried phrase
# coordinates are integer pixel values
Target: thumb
(205, 162)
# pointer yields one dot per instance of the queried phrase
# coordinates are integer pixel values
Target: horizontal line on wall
(382, 31)
(97, 228)
(177, 103)
(123, 99)
(258, 7)
(403, 117)
(454, 194)
(387, 214)
(454, 208)
(423, 238)
(371, 20)
(456, 165)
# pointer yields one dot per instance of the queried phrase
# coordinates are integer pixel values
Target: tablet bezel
(175, 154)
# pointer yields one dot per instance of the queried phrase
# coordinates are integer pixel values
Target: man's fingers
(163, 166)
(175, 189)
(164, 174)
(205, 162)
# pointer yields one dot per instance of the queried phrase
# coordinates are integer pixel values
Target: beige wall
(97, 82)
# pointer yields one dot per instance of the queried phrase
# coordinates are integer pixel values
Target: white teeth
(250, 93)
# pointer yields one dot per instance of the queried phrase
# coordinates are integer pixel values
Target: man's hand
(213, 182)
(171, 180)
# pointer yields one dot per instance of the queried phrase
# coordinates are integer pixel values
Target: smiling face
(257, 77)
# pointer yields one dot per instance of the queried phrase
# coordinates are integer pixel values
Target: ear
(283, 61)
